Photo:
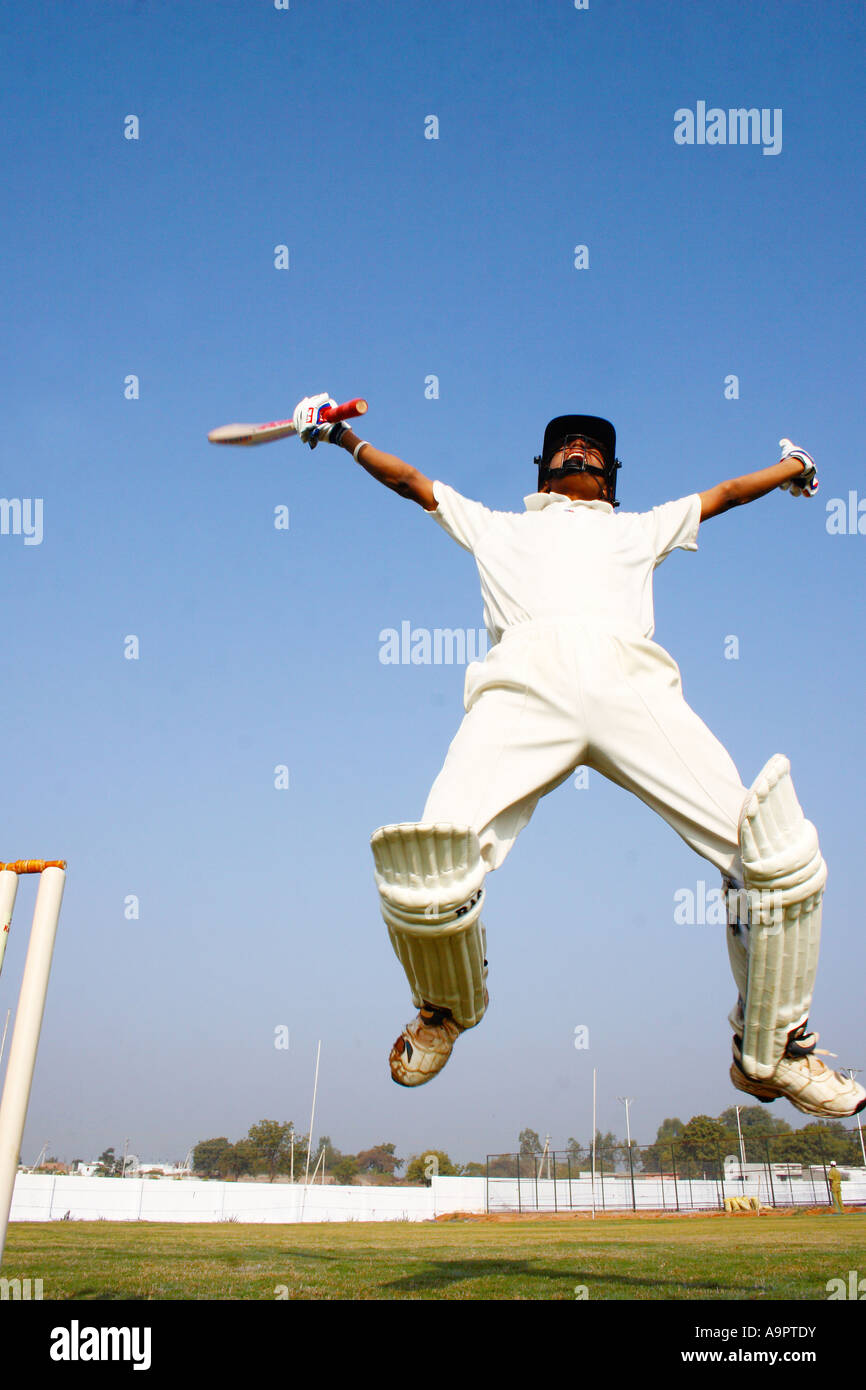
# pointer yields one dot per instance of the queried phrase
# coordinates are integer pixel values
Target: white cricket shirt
(564, 558)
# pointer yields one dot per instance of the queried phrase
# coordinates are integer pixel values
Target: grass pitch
(778, 1255)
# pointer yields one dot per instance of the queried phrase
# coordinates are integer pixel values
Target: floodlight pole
(594, 1074)
(627, 1101)
(852, 1072)
(313, 1113)
(742, 1145)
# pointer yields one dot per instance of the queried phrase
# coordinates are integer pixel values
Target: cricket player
(573, 678)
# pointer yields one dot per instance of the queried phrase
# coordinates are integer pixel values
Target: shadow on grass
(439, 1275)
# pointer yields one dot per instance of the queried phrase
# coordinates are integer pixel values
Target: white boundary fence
(45, 1197)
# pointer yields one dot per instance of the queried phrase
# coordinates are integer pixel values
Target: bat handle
(348, 411)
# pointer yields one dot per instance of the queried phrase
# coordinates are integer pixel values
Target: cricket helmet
(567, 429)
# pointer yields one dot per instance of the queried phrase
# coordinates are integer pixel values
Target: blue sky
(409, 258)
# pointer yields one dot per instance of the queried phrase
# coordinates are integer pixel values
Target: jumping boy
(573, 679)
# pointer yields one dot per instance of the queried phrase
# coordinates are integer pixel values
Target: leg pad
(431, 885)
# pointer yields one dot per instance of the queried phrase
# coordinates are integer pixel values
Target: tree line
(766, 1138)
(697, 1147)
(694, 1148)
(274, 1148)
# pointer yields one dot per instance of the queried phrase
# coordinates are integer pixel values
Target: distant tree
(298, 1145)
(345, 1170)
(501, 1166)
(239, 1160)
(657, 1157)
(817, 1142)
(107, 1164)
(762, 1133)
(754, 1119)
(380, 1159)
(433, 1163)
(332, 1154)
(577, 1157)
(529, 1142)
(607, 1150)
(636, 1156)
(702, 1145)
(208, 1157)
(271, 1141)
(474, 1170)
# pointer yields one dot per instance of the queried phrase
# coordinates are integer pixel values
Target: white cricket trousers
(556, 695)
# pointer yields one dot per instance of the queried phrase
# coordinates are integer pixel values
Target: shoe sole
(410, 1079)
(766, 1093)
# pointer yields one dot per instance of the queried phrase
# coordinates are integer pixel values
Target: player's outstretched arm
(392, 471)
(796, 471)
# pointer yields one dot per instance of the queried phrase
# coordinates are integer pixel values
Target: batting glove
(305, 419)
(806, 484)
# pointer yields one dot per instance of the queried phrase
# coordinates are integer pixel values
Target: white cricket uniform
(573, 677)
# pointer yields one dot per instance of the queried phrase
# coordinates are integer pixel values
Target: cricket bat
(278, 429)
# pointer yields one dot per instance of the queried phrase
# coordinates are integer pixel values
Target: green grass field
(773, 1256)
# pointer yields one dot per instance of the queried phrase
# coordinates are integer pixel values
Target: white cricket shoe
(804, 1080)
(424, 1046)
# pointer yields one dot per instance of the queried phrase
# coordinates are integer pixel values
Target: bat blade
(251, 434)
(279, 429)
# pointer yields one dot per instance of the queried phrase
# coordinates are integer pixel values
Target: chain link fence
(663, 1177)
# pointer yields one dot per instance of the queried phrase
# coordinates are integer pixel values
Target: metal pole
(627, 1101)
(770, 1171)
(545, 1153)
(28, 1024)
(824, 1162)
(742, 1147)
(852, 1072)
(313, 1112)
(593, 1141)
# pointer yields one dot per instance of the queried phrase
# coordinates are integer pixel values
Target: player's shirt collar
(537, 501)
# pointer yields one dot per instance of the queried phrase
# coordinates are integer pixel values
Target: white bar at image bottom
(25, 1034)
